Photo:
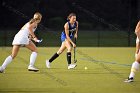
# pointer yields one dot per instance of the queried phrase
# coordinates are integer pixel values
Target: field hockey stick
(75, 60)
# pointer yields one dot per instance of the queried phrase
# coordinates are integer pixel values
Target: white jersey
(21, 38)
(25, 30)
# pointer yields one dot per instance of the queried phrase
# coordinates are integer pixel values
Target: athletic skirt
(20, 39)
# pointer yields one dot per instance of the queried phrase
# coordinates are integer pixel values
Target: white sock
(7, 61)
(33, 58)
(134, 68)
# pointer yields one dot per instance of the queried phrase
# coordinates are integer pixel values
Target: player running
(135, 65)
(70, 31)
(22, 39)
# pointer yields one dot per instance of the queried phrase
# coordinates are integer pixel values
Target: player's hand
(39, 41)
(73, 45)
(35, 39)
(75, 36)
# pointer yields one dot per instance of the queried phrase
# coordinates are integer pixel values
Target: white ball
(86, 68)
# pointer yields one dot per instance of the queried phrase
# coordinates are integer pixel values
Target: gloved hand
(39, 41)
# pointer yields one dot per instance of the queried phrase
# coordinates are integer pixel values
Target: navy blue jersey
(72, 30)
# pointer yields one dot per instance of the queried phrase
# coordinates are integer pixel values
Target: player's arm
(76, 33)
(137, 27)
(137, 30)
(31, 27)
(67, 34)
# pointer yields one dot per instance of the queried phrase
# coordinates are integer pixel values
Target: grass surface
(107, 68)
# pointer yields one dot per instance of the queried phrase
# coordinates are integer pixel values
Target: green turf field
(107, 68)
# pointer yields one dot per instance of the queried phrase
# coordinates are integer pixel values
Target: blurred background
(102, 23)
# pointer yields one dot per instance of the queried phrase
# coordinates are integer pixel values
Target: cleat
(1, 69)
(72, 66)
(32, 68)
(129, 80)
(48, 64)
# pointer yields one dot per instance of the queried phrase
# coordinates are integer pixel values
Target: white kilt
(21, 39)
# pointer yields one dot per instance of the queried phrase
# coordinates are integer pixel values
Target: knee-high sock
(33, 58)
(53, 57)
(7, 61)
(69, 57)
(134, 68)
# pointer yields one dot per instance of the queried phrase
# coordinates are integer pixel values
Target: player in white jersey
(22, 39)
(136, 64)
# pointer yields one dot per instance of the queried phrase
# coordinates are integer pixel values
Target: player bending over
(70, 31)
(22, 39)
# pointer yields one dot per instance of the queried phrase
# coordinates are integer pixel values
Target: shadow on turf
(107, 68)
(48, 74)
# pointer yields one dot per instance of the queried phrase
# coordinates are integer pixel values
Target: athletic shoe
(32, 68)
(72, 66)
(48, 64)
(1, 69)
(129, 80)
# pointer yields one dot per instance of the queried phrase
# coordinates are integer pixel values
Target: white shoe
(129, 80)
(1, 69)
(48, 64)
(72, 66)
(32, 68)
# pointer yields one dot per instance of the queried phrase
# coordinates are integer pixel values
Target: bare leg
(9, 59)
(61, 49)
(137, 49)
(135, 65)
(69, 48)
(134, 68)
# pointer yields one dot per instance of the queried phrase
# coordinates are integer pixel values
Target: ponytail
(32, 21)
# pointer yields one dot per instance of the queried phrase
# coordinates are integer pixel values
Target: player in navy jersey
(70, 31)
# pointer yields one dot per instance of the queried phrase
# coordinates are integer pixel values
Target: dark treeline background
(121, 13)
(99, 15)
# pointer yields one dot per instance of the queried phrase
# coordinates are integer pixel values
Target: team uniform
(22, 37)
(72, 30)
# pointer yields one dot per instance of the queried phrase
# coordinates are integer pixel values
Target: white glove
(39, 41)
